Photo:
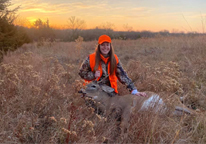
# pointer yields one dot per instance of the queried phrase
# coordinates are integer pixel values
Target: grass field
(39, 102)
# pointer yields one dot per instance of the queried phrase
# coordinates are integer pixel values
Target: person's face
(105, 48)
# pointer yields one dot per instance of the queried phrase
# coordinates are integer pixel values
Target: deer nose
(82, 91)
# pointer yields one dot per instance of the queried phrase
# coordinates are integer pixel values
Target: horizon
(135, 15)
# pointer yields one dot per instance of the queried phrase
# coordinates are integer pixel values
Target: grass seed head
(53, 119)
(66, 131)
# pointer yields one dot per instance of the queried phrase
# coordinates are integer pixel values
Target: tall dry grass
(39, 102)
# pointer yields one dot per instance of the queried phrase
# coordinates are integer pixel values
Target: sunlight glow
(186, 15)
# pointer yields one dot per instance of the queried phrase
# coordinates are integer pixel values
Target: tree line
(42, 30)
(76, 28)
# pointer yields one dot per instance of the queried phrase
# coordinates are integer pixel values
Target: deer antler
(102, 79)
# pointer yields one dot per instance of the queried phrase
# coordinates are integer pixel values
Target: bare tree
(127, 28)
(107, 26)
(75, 25)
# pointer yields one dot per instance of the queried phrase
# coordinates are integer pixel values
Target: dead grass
(39, 102)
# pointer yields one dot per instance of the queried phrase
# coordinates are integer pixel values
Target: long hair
(112, 59)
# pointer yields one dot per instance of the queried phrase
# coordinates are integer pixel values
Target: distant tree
(127, 28)
(75, 25)
(42, 30)
(107, 26)
(38, 24)
(11, 37)
(164, 33)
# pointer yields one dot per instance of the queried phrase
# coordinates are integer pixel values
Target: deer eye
(93, 86)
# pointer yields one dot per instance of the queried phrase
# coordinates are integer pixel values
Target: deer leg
(181, 109)
(125, 122)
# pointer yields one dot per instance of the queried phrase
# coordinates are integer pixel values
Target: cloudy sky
(153, 15)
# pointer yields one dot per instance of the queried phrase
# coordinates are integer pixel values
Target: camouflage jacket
(87, 74)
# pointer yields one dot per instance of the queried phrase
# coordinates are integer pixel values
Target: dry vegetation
(39, 102)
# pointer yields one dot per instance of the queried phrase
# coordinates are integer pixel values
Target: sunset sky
(153, 15)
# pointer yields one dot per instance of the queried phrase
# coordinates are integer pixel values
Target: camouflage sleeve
(85, 71)
(123, 78)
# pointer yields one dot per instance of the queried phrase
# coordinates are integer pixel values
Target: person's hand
(97, 74)
(143, 94)
(135, 92)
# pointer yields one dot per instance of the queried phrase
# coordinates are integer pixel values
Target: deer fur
(128, 103)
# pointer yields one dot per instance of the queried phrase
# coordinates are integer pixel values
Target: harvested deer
(127, 103)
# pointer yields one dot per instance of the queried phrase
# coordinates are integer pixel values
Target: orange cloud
(38, 10)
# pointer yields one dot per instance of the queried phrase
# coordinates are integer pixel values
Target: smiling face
(105, 48)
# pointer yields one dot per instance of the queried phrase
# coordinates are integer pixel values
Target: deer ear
(107, 89)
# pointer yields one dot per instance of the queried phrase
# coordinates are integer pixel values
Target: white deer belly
(154, 103)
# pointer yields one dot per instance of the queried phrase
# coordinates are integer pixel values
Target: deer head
(94, 89)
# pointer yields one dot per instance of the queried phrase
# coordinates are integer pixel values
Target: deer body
(127, 103)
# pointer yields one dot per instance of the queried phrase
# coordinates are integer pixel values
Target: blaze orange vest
(112, 77)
